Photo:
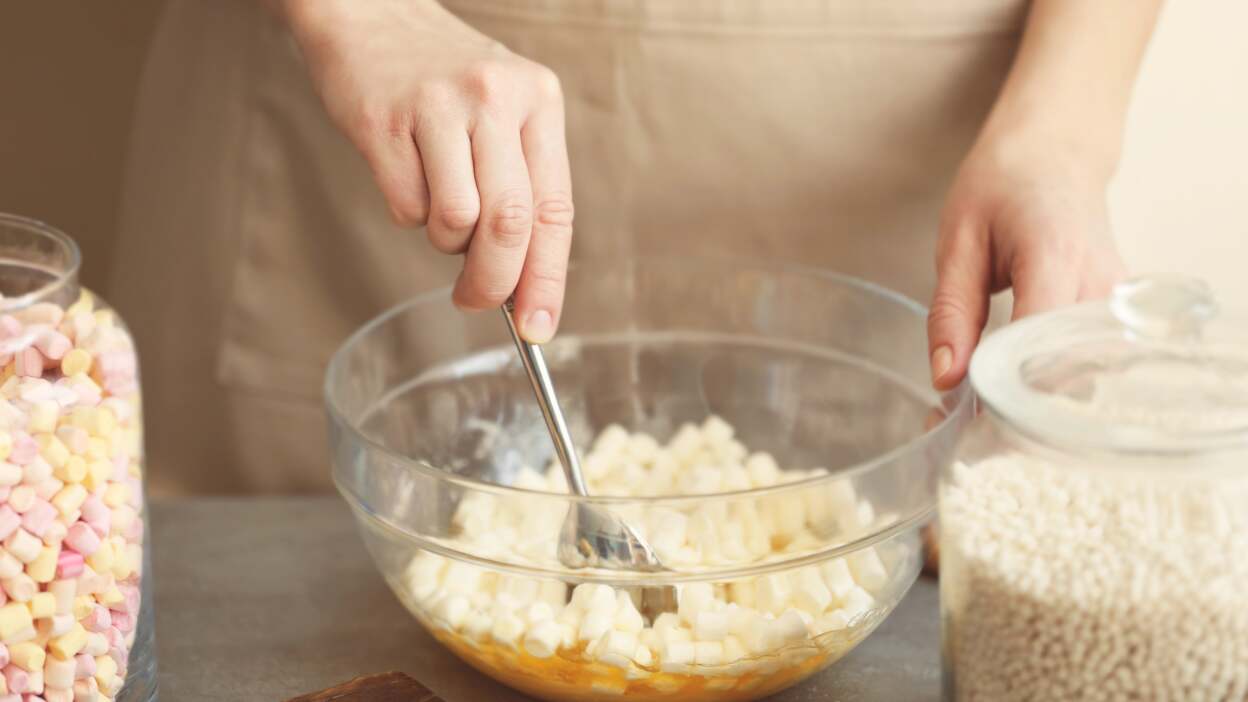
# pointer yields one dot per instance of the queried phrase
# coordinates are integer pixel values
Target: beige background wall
(68, 71)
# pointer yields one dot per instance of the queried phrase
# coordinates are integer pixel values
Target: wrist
(1088, 144)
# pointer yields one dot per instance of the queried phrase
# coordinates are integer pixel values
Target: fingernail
(538, 327)
(942, 361)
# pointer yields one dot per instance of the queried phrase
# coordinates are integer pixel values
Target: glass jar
(75, 606)
(1094, 521)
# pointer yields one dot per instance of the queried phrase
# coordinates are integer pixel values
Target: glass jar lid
(1158, 368)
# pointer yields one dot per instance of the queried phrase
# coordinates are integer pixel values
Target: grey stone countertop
(267, 598)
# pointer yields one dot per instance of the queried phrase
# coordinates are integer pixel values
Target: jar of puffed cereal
(1094, 523)
(75, 606)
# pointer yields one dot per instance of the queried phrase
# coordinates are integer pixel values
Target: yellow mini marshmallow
(6, 445)
(124, 563)
(28, 656)
(43, 416)
(104, 423)
(15, 620)
(105, 672)
(69, 499)
(115, 495)
(43, 568)
(104, 319)
(42, 605)
(68, 646)
(97, 475)
(73, 470)
(75, 362)
(97, 449)
(83, 605)
(52, 449)
(112, 596)
(84, 303)
(102, 560)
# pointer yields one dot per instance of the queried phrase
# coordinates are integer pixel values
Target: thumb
(960, 306)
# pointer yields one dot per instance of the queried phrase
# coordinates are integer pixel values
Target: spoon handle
(539, 375)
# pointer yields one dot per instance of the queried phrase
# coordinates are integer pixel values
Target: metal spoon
(591, 537)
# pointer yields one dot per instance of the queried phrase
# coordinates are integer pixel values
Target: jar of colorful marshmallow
(75, 609)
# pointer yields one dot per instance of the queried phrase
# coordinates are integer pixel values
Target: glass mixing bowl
(440, 450)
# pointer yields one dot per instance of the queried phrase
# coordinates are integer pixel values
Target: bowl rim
(956, 402)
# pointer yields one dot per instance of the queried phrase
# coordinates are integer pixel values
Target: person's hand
(462, 135)
(1023, 213)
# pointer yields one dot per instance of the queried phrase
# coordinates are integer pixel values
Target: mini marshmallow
(790, 626)
(543, 639)
(868, 569)
(20, 588)
(837, 576)
(711, 626)
(595, 624)
(616, 648)
(59, 673)
(832, 621)
(676, 656)
(694, 598)
(857, 602)
(64, 591)
(772, 593)
(627, 618)
(15, 622)
(452, 610)
(538, 612)
(42, 605)
(810, 593)
(507, 628)
(28, 656)
(10, 474)
(708, 653)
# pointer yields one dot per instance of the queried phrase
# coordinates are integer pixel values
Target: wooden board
(385, 687)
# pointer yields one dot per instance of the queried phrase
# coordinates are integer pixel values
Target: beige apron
(253, 238)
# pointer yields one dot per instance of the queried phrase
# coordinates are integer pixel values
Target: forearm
(1071, 82)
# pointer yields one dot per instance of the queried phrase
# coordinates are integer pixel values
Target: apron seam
(851, 31)
(242, 197)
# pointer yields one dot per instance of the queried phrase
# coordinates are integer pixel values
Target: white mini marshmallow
(772, 592)
(453, 610)
(666, 620)
(708, 653)
(763, 470)
(712, 626)
(627, 618)
(716, 431)
(837, 576)
(810, 593)
(832, 621)
(789, 627)
(868, 569)
(694, 598)
(676, 656)
(857, 602)
(616, 648)
(542, 640)
(537, 613)
(595, 623)
(507, 628)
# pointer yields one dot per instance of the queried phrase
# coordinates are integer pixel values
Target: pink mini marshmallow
(69, 564)
(28, 363)
(53, 344)
(9, 521)
(99, 620)
(47, 489)
(18, 679)
(123, 621)
(37, 519)
(134, 531)
(5, 491)
(31, 697)
(85, 666)
(115, 638)
(9, 327)
(97, 515)
(24, 450)
(83, 539)
(131, 595)
(4, 655)
(11, 697)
